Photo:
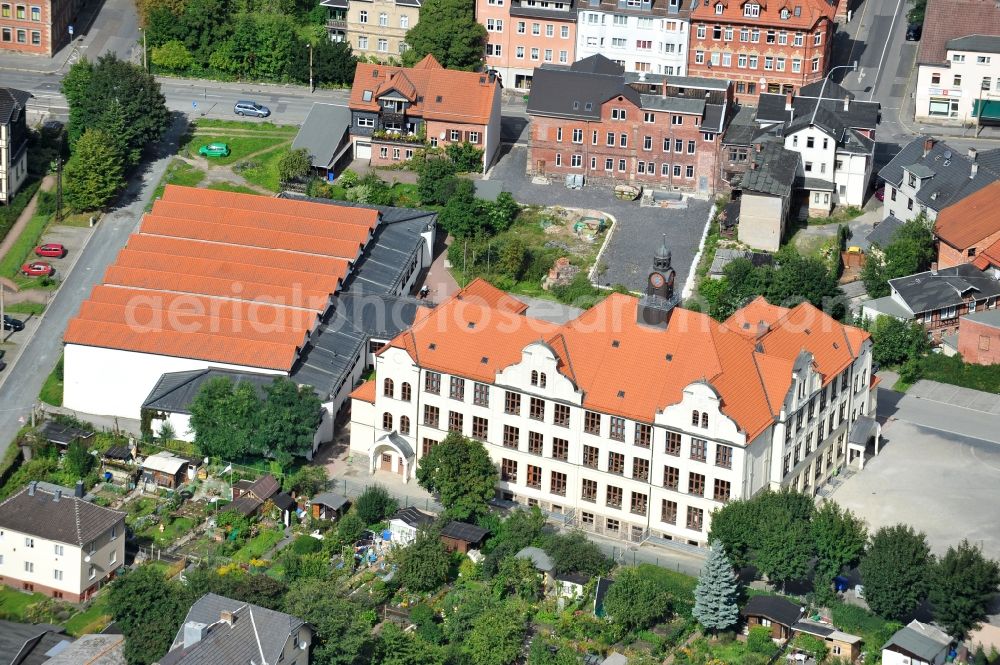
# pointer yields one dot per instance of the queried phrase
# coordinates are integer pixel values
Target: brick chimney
(227, 617)
(788, 101)
(973, 153)
(974, 170)
(928, 144)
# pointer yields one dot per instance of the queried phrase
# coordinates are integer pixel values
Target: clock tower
(654, 307)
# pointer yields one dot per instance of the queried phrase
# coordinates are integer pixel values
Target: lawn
(239, 146)
(259, 545)
(262, 170)
(52, 389)
(178, 172)
(13, 603)
(79, 219)
(91, 620)
(171, 532)
(232, 187)
(35, 308)
(938, 367)
(139, 508)
(23, 246)
(10, 213)
(244, 126)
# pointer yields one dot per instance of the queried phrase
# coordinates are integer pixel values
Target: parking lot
(628, 256)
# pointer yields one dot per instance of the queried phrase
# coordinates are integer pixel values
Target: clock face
(656, 280)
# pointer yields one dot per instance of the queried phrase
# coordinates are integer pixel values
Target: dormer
(751, 9)
(540, 371)
(916, 175)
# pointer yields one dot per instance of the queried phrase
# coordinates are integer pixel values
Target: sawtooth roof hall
(294, 287)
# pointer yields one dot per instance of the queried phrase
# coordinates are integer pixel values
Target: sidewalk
(14, 233)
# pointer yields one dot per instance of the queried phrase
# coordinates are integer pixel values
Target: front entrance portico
(391, 453)
(863, 430)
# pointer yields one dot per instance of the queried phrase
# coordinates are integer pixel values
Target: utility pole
(311, 87)
(59, 169)
(145, 65)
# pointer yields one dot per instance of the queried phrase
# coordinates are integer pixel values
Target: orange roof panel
(365, 392)
(969, 220)
(214, 198)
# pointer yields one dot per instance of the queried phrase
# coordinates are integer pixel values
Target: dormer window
(718, 8)
(751, 10)
(784, 14)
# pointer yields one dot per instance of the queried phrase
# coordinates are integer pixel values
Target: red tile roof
(224, 277)
(434, 93)
(631, 370)
(966, 222)
(988, 257)
(945, 20)
(810, 12)
(365, 392)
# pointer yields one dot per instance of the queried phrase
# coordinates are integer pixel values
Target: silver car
(251, 108)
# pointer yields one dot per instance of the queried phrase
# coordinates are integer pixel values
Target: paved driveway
(943, 393)
(628, 256)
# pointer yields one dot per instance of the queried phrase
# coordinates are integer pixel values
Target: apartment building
(649, 36)
(373, 27)
(595, 120)
(55, 543)
(638, 417)
(38, 27)
(762, 48)
(523, 34)
(13, 142)
(398, 110)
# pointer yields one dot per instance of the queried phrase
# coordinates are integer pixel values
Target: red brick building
(762, 46)
(979, 337)
(594, 120)
(966, 229)
(36, 26)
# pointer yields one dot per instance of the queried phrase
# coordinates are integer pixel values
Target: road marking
(885, 48)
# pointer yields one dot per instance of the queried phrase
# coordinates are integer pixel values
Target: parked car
(10, 323)
(214, 150)
(251, 108)
(52, 250)
(880, 193)
(38, 269)
(913, 32)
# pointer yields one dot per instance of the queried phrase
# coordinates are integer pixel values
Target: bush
(466, 156)
(306, 545)
(375, 504)
(759, 641)
(46, 203)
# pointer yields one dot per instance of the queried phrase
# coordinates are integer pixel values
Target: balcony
(394, 136)
(336, 24)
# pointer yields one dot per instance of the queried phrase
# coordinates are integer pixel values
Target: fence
(353, 488)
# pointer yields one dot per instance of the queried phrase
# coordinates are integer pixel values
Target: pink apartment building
(524, 34)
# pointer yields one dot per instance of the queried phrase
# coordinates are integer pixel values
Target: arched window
(541, 380)
(404, 425)
(694, 418)
(704, 420)
(387, 421)
(387, 387)
(534, 378)
(404, 392)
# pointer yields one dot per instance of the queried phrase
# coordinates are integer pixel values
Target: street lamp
(311, 88)
(853, 67)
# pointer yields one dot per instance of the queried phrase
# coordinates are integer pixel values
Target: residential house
(958, 63)
(326, 136)
(222, 631)
(40, 27)
(937, 299)
(164, 469)
(329, 506)
(249, 496)
(405, 523)
(373, 28)
(462, 537)
(710, 411)
(737, 141)
(396, 110)
(766, 194)
(522, 34)
(968, 227)
(59, 544)
(927, 176)
(839, 645)
(13, 134)
(979, 337)
(594, 120)
(642, 36)
(835, 135)
(23, 643)
(917, 644)
(92, 649)
(774, 613)
(762, 47)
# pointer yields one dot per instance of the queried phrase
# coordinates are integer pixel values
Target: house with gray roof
(30, 644)
(222, 631)
(13, 142)
(59, 544)
(766, 194)
(937, 298)
(326, 136)
(928, 175)
(917, 644)
(883, 233)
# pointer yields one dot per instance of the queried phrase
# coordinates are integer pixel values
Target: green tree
(638, 599)
(839, 539)
(173, 56)
(289, 417)
(896, 571)
(148, 609)
(497, 635)
(759, 641)
(78, 461)
(461, 607)
(466, 157)
(573, 553)
(224, 418)
(734, 526)
(512, 257)
(517, 578)
(398, 648)
(343, 628)
(811, 645)
(805, 279)
(502, 212)
(448, 30)
(894, 341)
(426, 622)
(436, 180)
(917, 11)
(375, 504)
(962, 585)
(461, 473)
(351, 528)
(424, 563)
(543, 652)
(333, 63)
(94, 172)
(461, 214)
(521, 529)
(716, 595)
(307, 481)
(294, 164)
(910, 251)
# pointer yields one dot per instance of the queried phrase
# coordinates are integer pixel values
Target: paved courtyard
(941, 483)
(628, 257)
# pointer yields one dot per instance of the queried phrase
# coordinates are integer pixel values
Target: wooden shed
(462, 537)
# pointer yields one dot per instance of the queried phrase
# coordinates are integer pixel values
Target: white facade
(948, 93)
(901, 202)
(823, 159)
(13, 167)
(653, 44)
(611, 475)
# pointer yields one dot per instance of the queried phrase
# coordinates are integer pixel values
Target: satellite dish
(947, 154)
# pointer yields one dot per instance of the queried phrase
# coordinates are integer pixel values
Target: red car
(880, 193)
(52, 250)
(37, 269)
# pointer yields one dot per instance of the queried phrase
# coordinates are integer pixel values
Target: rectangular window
(512, 403)
(480, 428)
(673, 446)
(668, 512)
(588, 490)
(623, 140)
(536, 29)
(696, 484)
(560, 449)
(724, 456)
(29, 567)
(508, 470)
(57, 575)
(591, 456)
(457, 390)
(643, 435)
(698, 449)
(455, 421)
(59, 550)
(695, 517)
(671, 477)
(534, 479)
(535, 443)
(616, 463)
(592, 422)
(647, 143)
(29, 542)
(577, 136)
(427, 445)
(511, 436)
(432, 383)
(617, 431)
(557, 484)
(520, 27)
(587, 519)
(639, 503)
(612, 525)
(560, 415)
(537, 409)
(481, 394)
(610, 139)
(640, 469)
(614, 497)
